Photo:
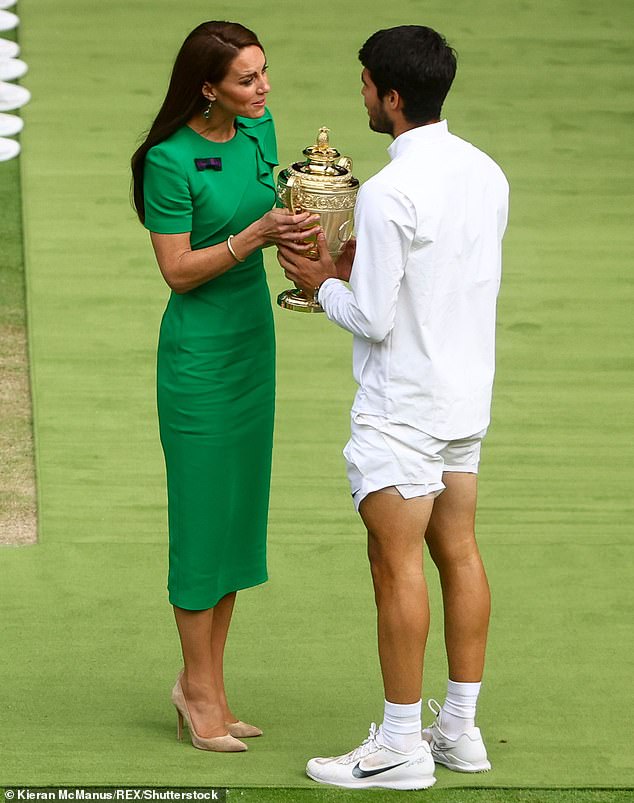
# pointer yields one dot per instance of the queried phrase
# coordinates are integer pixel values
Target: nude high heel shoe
(239, 729)
(242, 730)
(219, 744)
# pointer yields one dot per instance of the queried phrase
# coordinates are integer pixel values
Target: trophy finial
(323, 143)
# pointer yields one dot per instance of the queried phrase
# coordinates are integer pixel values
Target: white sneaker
(9, 49)
(8, 20)
(13, 96)
(11, 69)
(9, 149)
(7, 3)
(372, 764)
(465, 753)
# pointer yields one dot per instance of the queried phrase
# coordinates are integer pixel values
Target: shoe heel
(179, 725)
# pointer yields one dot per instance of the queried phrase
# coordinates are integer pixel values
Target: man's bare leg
(465, 590)
(396, 756)
(396, 530)
(455, 741)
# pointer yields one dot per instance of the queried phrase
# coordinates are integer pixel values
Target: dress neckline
(212, 141)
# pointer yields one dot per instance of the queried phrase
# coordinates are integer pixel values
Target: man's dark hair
(417, 62)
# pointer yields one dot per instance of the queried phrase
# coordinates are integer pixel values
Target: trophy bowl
(322, 184)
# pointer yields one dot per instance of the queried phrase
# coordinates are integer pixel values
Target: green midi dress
(216, 364)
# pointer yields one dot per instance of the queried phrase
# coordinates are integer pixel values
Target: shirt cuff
(324, 285)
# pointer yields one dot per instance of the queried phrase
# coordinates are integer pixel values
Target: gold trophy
(323, 184)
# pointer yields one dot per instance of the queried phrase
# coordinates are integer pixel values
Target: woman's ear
(208, 92)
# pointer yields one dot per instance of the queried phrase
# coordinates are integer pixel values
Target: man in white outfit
(421, 304)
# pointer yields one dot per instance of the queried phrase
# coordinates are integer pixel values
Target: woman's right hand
(282, 227)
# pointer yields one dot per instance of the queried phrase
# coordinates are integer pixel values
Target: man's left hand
(308, 274)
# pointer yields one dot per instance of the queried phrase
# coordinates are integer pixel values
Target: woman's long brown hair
(205, 55)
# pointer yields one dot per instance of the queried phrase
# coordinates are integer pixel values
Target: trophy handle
(345, 162)
(295, 195)
(344, 232)
(295, 200)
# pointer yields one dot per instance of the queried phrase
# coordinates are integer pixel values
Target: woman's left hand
(288, 229)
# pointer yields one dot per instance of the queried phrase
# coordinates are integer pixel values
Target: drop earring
(209, 109)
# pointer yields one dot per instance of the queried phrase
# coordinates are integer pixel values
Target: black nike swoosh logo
(359, 773)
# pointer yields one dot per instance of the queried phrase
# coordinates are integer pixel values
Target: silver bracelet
(231, 251)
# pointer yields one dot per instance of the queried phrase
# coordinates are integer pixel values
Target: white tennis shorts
(381, 454)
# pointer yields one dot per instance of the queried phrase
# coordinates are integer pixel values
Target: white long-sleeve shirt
(423, 289)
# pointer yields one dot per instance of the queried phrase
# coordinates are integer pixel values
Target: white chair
(8, 21)
(10, 69)
(13, 96)
(10, 125)
(9, 149)
(9, 49)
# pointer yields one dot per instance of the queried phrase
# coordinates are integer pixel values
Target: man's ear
(394, 100)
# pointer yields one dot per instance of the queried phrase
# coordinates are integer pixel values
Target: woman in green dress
(203, 186)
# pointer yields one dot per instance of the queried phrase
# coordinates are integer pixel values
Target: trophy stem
(298, 301)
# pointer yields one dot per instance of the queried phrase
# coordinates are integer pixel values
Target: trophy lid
(322, 151)
(321, 159)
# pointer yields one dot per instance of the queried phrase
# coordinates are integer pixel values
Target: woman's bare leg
(199, 682)
(219, 630)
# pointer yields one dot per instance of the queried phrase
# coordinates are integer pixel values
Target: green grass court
(88, 647)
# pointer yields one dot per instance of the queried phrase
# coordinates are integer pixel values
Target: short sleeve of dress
(168, 203)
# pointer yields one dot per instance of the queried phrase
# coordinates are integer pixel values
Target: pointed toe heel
(242, 730)
(220, 744)
(217, 744)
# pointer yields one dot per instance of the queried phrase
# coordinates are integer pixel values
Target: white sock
(401, 728)
(459, 709)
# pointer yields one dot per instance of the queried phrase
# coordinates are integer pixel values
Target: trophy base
(295, 300)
